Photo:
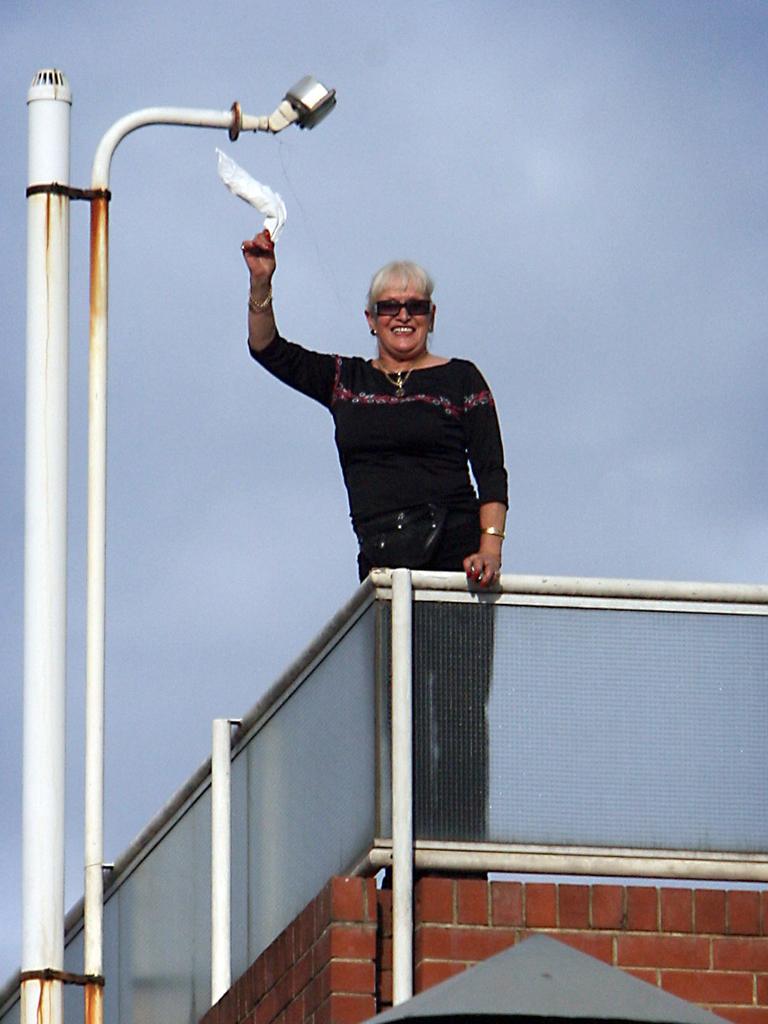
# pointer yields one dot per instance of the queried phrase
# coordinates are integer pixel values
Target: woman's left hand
(482, 567)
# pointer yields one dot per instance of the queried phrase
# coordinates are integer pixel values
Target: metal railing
(623, 731)
(609, 727)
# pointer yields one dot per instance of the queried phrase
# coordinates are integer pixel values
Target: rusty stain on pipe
(45, 1002)
(94, 1008)
(99, 233)
(56, 213)
(237, 122)
(45, 997)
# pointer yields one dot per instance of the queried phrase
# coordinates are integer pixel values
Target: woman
(407, 422)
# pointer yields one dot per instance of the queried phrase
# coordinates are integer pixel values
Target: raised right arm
(259, 256)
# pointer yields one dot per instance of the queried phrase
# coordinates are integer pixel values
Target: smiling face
(402, 337)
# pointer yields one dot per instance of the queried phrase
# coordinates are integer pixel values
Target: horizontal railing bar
(599, 603)
(564, 860)
(585, 586)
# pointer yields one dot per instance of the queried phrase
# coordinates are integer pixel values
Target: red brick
(676, 910)
(762, 990)
(608, 906)
(245, 997)
(646, 974)
(662, 951)
(260, 979)
(294, 1013)
(384, 991)
(573, 906)
(472, 901)
(709, 986)
(305, 930)
(506, 903)
(269, 957)
(743, 913)
(301, 974)
(246, 987)
(642, 909)
(283, 991)
(431, 972)
(385, 954)
(322, 1014)
(348, 902)
(267, 1008)
(434, 900)
(351, 1009)
(709, 911)
(353, 942)
(764, 912)
(352, 976)
(312, 996)
(740, 954)
(600, 946)
(284, 953)
(321, 951)
(468, 944)
(384, 911)
(321, 906)
(540, 905)
(241, 998)
(744, 1014)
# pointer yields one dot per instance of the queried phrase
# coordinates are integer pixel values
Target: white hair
(402, 273)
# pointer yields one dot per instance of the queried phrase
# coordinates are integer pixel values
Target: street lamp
(305, 104)
(311, 100)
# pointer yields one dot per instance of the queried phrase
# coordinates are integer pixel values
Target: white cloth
(241, 184)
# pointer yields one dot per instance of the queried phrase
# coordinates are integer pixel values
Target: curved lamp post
(305, 104)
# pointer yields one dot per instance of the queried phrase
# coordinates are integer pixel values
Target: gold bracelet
(258, 307)
(493, 531)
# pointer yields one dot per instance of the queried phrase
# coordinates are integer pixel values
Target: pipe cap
(50, 84)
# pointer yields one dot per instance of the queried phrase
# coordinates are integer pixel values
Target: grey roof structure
(543, 979)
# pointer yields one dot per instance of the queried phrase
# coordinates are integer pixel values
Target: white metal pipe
(97, 492)
(612, 862)
(95, 609)
(283, 116)
(402, 787)
(586, 586)
(221, 762)
(49, 102)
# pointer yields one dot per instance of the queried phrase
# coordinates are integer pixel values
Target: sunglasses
(413, 307)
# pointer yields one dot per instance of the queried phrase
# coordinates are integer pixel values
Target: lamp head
(311, 101)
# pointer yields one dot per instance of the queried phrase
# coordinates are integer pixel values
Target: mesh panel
(642, 729)
(594, 727)
(452, 660)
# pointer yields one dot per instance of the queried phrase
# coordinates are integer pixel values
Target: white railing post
(221, 860)
(402, 787)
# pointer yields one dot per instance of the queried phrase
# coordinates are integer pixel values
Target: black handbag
(404, 539)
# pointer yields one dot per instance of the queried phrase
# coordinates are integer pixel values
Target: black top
(398, 452)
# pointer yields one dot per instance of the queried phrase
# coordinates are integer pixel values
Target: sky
(586, 180)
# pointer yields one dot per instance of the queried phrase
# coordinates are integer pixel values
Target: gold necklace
(397, 379)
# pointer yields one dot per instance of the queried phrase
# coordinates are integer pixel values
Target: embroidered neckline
(342, 393)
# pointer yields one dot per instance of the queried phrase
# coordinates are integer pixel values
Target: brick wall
(333, 964)
(322, 968)
(705, 945)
